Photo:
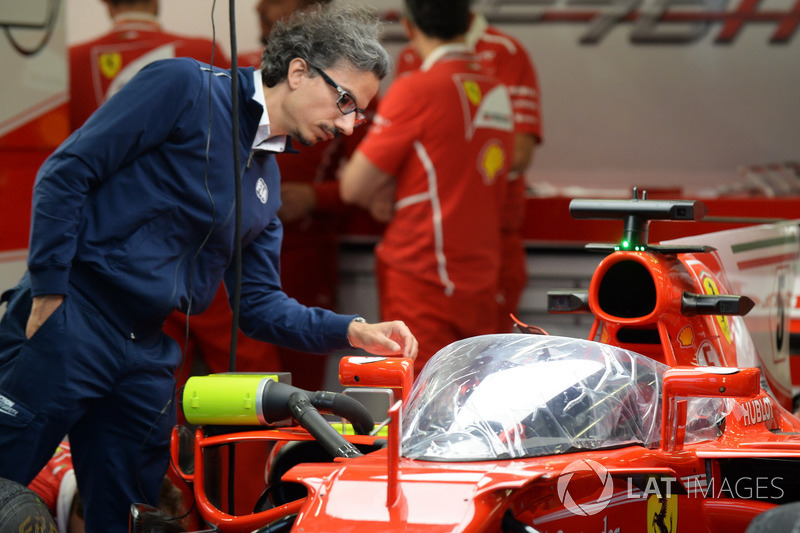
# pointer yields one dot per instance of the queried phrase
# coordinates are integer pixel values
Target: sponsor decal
(7, 406)
(686, 336)
(484, 104)
(110, 64)
(756, 411)
(492, 161)
(707, 354)
(662, 514)
(710, 287)
(473, 92)
(261, 190)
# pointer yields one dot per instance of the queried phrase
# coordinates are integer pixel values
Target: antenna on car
(636, 214)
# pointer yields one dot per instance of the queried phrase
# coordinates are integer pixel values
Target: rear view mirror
(700, 381)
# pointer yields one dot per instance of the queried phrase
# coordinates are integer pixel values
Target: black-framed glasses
(346, 103)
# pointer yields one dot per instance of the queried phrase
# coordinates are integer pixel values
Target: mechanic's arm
(364, 184)
(383, 338)
(299, 199)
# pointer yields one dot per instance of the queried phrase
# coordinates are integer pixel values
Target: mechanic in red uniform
(100, 67)
(506, 58)
(434, 165)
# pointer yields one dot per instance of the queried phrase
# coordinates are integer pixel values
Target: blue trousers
(110, 394)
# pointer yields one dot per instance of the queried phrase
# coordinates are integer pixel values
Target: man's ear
(409, 27)
(297, 69)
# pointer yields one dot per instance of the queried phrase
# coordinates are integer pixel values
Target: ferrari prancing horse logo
(110, 64)
(710, 287)
(662, 514)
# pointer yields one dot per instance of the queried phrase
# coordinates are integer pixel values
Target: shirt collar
(262, 140)
(477, 27)
(148, 20)
(441, 51)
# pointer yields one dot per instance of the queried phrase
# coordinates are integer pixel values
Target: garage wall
(643, 92)
(677, 93)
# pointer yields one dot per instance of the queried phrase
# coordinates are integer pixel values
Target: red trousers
(434, 318)
(513, 278)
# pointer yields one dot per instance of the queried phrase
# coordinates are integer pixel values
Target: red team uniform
(505, 58)
(445, 134)
(99, 68)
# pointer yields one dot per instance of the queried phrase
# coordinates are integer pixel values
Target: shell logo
(686, 336)
(493, 161)
(110, 64)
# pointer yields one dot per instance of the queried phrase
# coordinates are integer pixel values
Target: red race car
(669, 418)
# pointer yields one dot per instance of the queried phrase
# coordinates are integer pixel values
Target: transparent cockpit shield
(512, 396)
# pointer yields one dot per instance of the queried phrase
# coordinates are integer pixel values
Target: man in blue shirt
(133, 217)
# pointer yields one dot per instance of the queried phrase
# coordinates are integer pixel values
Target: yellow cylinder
(226, 399)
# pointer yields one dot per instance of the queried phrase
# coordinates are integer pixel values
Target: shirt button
(133, 336)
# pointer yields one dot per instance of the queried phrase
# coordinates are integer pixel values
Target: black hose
(346, 407)
(310, 419)
(275, 405)
(280, 401)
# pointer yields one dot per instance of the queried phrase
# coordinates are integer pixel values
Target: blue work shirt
(137, 209)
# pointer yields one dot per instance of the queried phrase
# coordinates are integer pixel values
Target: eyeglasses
(346, 103)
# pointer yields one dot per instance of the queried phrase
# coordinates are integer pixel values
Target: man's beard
(295, 135)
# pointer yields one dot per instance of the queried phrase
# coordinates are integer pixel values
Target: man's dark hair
(441, 19)
(324, 36)
(118, 3)
(308, 3)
